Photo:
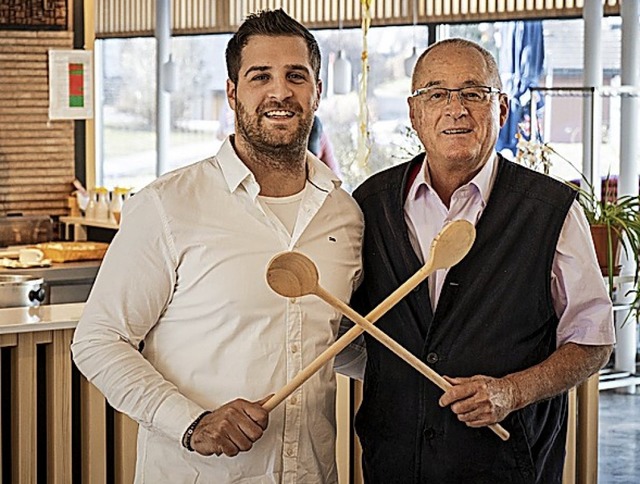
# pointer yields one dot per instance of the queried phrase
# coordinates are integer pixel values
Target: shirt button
(293, 400)
(294, 348)
(429, 433)
(432, 358)
(292, 300)
(289, 452)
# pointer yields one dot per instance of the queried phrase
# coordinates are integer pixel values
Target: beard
(280, 146)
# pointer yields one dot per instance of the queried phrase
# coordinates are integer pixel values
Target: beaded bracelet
(186, 438)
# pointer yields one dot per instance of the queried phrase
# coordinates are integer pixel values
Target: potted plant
(615, 224)
(614, 221)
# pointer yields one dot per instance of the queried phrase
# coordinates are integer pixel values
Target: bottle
(115, 207)
(102, 204)
(90, 211)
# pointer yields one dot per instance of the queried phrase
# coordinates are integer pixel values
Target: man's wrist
(186, 437)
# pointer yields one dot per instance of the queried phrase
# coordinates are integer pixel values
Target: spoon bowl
(292, 274)
(452, 244)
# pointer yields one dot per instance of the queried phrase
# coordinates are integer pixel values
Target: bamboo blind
(36, 154)
(131, 18)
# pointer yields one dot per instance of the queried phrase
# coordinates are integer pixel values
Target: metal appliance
(18, 290)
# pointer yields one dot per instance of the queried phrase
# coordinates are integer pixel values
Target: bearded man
(189, 340)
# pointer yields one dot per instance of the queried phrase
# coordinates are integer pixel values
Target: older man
(523, 318)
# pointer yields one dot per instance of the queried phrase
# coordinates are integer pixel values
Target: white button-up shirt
(185, 274)
(578, 292)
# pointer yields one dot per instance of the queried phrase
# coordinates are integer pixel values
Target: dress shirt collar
(236, 173)
(483, 181)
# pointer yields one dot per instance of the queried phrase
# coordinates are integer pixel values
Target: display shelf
(104, 224)
(80, 224)
(611, 378)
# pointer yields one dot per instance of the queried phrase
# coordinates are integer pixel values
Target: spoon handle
(398, 349)
(347, 338)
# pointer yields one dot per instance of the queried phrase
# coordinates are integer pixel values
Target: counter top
(41, 318)
(58, 271)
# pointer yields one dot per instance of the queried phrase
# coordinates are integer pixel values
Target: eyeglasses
(439, 96)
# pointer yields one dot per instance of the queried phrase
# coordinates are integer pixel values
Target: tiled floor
(619, 438)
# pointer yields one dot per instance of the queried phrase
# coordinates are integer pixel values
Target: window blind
(133, 18)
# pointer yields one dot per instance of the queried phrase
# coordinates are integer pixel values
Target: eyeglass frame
(422, 90)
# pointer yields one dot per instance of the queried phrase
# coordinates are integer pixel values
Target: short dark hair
(270, 23)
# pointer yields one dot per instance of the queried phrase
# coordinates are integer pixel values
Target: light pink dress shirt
(579, 295)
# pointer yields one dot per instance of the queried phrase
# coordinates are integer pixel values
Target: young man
(523, 318)
(184, 283)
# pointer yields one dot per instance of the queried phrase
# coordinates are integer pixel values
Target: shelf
(610, 379)
(80, 224)
(103, 224)
(621, 307)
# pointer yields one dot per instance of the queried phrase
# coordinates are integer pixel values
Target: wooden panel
(344, 433)
(125, 437)
(358, 477)
(34, 14)
(93, 434)
(42, 337)
(587, 432)
(59, 408)
(569, 473)
(36, 153)
(23, 410)
(7, 340)
(24, 400)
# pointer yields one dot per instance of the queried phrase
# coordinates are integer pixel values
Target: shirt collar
(320, 174)
(236, 173)
(483, 181)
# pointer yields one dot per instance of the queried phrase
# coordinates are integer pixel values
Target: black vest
(494, 317)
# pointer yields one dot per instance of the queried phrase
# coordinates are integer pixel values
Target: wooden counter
(56, 427)
(59, 425)
(41, 318)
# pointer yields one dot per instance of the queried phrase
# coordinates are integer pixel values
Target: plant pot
(601, 243)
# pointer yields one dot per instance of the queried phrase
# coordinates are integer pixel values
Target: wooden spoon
(447, 249)
(295, 275)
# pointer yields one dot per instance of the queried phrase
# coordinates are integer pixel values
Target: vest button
(429, 433)
(432, 358)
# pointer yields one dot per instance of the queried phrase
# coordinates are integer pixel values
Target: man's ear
(231, 94)
(318, 93)
(504, 109)
(410, 101)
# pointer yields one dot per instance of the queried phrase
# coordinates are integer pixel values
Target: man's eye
(260, 77)
(297, 76)
(472, 95)
(436, 95)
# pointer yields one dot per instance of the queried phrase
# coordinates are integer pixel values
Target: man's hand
(231, 429)
(480, 400)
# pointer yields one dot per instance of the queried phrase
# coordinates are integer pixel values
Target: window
(200, 116)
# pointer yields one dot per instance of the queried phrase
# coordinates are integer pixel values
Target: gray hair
(492, 65)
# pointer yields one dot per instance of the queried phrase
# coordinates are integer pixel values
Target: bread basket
(73, 251)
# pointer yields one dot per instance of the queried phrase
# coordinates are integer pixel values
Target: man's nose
(280, 89)
(455, 106)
